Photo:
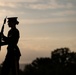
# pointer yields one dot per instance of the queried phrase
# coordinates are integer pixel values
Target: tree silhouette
(62, 62)
(60, 56)
(38, 67)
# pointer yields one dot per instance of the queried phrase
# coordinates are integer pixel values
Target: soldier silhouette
(11, 62)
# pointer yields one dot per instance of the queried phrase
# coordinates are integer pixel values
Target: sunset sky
(44, 25)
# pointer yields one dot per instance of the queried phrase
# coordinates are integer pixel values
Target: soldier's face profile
(10, 23)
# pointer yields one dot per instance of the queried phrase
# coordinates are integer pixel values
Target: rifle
(2, 29)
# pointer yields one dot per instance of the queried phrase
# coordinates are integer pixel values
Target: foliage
(62, 62)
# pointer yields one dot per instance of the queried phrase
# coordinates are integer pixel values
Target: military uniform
(13, 53)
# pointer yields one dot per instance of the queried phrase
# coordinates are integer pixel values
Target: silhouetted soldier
(11, 62)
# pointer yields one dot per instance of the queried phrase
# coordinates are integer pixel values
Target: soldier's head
(12, 21)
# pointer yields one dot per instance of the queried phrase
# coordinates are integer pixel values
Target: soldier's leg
(15, 68)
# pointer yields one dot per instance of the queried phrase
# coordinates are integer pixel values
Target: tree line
(61, 62)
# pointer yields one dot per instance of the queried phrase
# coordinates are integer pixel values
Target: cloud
(49, 5)
(19, 0)
(27, 0)
(48, 20)
(10, 4)
(64, 13)
(36, 4)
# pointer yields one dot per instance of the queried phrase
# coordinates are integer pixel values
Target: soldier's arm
(4, 38)
(3, 43)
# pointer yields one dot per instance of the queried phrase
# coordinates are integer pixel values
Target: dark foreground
(61, 62)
